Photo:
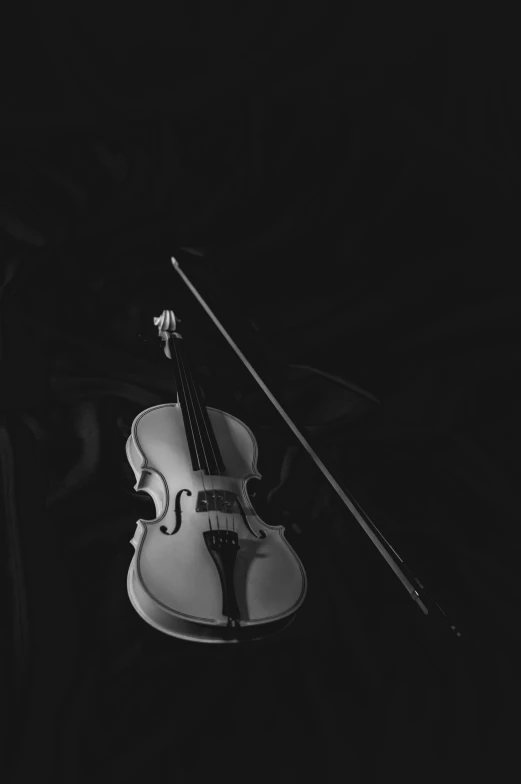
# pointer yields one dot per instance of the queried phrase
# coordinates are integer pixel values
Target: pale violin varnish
(173, 581)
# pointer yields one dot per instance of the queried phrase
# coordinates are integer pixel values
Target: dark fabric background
(341, 182)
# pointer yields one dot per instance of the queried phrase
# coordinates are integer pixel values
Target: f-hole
(163, 528)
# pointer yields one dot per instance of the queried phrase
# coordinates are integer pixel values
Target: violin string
(191, 415)
(188, 378)
(190, 381)
(216, 462)
(180, 368)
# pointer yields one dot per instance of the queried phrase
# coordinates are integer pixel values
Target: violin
(206, 568)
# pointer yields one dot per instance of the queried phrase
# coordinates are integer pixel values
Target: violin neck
(203, 446)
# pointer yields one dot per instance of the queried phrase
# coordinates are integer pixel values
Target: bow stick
(352, 505)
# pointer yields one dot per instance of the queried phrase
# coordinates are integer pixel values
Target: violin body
(206, 568)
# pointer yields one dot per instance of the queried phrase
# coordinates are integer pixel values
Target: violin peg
(166, 321)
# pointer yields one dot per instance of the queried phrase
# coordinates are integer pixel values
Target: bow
(387, 552)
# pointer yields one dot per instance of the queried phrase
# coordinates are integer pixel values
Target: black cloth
(346, 181)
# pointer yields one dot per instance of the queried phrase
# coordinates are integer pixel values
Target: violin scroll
(167, 325)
